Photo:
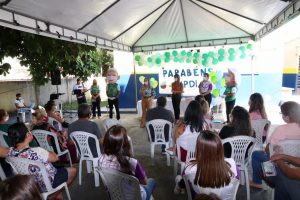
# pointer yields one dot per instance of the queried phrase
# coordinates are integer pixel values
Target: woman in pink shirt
(291, 130)
(257, 110)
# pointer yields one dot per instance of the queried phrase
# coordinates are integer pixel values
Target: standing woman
(177, 90)
(205, 88)
(96, 100)
(230, 92)
(147, 93)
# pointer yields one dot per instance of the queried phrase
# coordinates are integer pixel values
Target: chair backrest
(131, 145)
(158, 126)
(288, 147)
(120, 186)
(110, 122)
(191, 140)
(239, 146)
(259, 127)
(81, 140)
(228, 193)
(56, 124)
(42, 138)
(37, 169)
(2, 140)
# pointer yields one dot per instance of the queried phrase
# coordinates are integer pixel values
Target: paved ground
(160, 172)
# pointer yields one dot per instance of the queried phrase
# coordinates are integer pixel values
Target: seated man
(159, 112)
(84, 124)
(22, 107)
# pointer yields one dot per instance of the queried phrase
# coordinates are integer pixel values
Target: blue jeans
(286, 188)
(258, 157)
(149, 187)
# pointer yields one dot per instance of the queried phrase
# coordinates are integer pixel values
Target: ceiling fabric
(136, 25)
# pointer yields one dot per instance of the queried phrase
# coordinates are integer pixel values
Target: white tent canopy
(143, 25)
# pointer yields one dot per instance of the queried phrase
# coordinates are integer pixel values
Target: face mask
(205, 78)
(176, 79)
(145, 83)
(111, 78)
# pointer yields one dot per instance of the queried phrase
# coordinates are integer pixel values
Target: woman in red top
(177, 90)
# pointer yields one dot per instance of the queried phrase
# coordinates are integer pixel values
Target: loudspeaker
(55, 77)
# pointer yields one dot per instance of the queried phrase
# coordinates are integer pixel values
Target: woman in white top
(213, 173)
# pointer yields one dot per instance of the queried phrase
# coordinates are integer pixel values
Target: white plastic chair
(2, 140)
(110, 122)
(23, 165)
(239, 146)
(120, 186)
(81, 140)
(42, 138)
(56, 124)
(2, 174)
(189, 181)
(191, 140)
(259, 126)
(159, 135)
(288, 147)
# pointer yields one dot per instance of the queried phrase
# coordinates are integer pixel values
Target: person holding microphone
(177, 90)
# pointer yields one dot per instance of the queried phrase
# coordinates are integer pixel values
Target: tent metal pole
(154, 22)
(221, 18)
(252, 75)
(140, 20)
(94, 18)
(181, 8)
(136, 97)
(243, 16)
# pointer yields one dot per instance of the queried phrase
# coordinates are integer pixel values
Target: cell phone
(269, 168)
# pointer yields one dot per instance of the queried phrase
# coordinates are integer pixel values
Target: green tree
(43, 54)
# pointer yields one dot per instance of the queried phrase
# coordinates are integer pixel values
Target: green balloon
(188, 60)
(243, 56)
(242, 48)
(211, 54)
(195, 61)
(176, 59)
(140, 63)
(205, 56)
(249, 46)
(181, 60)
(223, 82)
(231, 58)
(231, 51)
(221, 58)
(149, 59)
(204, 63)
(196, 54)
(158, 61)
(167, 59)
(189, 54)
(221, 52)
(174, 53)
(211, 74)
(214, 79)
(167, 54)
(137, 58)
(215, 61)
(183, 53)
(216, 92)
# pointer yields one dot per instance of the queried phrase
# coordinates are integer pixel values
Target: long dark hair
(113, 144)
(19, 187)
(257, 104)
(241, 121)
(193, 116)
(212, 169)
(17, 133)
(292, 110)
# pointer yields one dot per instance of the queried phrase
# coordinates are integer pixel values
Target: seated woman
(207, 115)
(4, 125)
(21, 137)
(114, 158)
(257, 110)
(287, 179)
(291, 130)
(51, 108)
(239, 125)
(192, 125)
(213, 173)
